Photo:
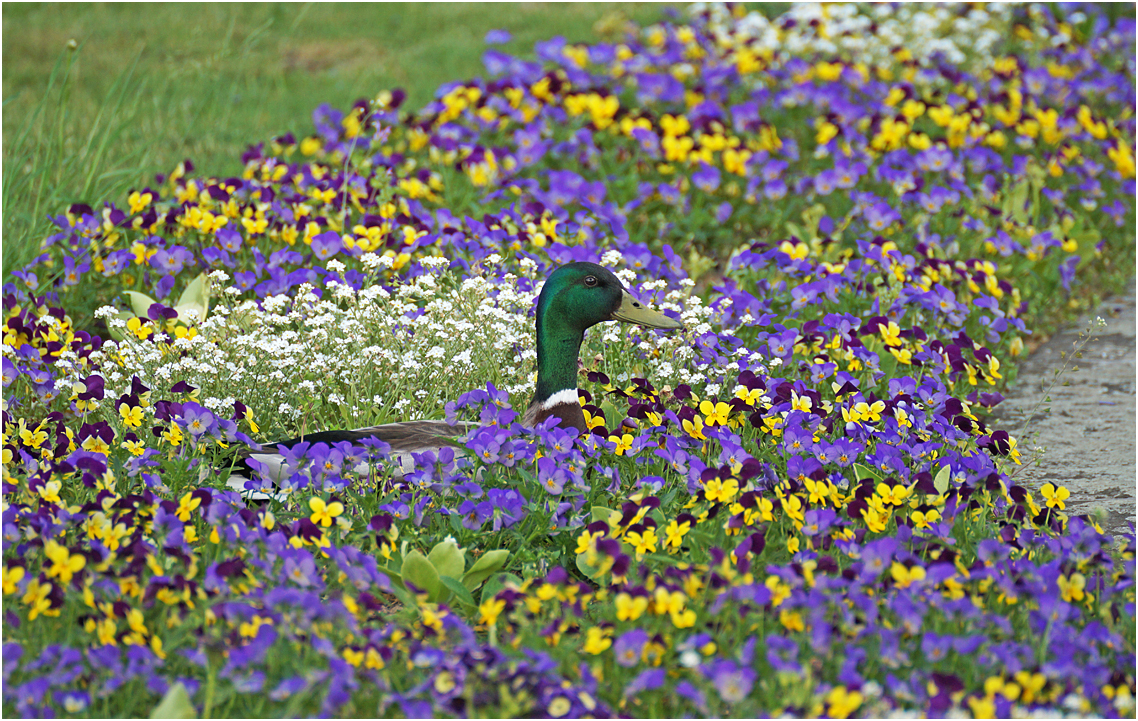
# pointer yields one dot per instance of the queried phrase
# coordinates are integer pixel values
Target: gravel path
(1085, 435)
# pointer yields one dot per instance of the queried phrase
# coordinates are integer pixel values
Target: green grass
(147, 86)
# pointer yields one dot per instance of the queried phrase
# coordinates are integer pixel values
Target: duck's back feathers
(404, 439)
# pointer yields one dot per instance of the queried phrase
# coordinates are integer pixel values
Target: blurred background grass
(98, 98)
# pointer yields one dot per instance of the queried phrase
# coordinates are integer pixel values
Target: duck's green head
(576, 297)
(579, 295)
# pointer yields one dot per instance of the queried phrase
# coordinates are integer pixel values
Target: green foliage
(442, 572)
(98, 98)
(175, 704)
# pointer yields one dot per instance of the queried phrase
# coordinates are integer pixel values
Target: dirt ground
(1083, 438)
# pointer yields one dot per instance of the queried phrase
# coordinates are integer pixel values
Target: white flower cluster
(378, 355)
(867, 32)
(303, 356)
(668, 359)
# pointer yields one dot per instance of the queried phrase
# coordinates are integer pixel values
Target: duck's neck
(558, 347)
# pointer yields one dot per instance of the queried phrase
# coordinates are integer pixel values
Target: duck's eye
(591, 281)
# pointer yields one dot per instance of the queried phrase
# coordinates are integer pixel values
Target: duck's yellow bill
(633, 311)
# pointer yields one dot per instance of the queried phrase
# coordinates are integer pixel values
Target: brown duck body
(563, 405)
(405, 439)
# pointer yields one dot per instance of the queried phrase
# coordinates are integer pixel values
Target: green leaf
(394, 576)
(1085, 237)
(140, 302)
(447, 559)
(1017, 200)
(405, 596)
(116, 334)
(600, 513)
(862, 472)
(943, 476)
(243, 319)
(458, 589)
(812, 217)
(584, 567)
(194, 298)
(420, 572)
(593, 572)
(175, 704)
(612, 418)
(496, 583)
(490, 563)
(1036, 175)
(698, 265)
(454, 519)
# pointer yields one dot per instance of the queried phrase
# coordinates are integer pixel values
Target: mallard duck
(575, 297)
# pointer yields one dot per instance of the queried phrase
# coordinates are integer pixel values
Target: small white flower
(612, 258)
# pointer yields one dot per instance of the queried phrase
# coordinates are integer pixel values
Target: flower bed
(795, 506)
